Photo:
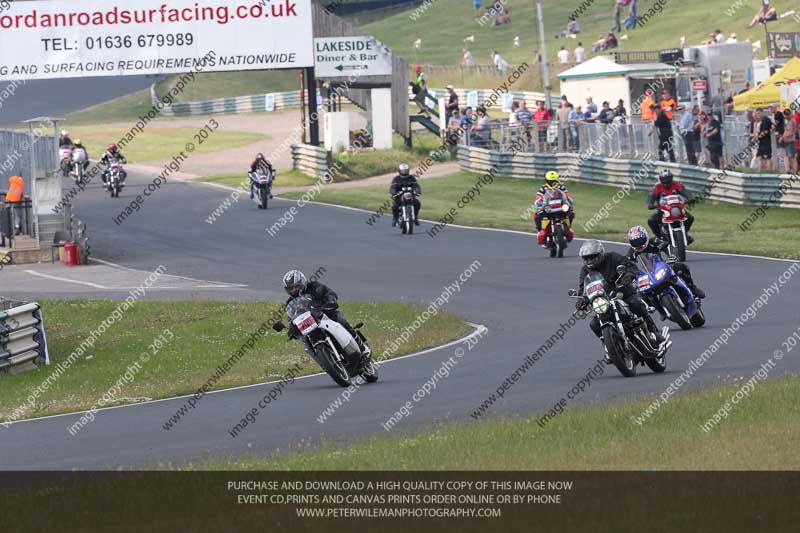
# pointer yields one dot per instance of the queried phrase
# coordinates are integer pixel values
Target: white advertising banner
(60, 39)
(336, 57)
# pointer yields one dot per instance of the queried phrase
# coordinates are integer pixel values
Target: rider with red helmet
(113, 155)
(666, 186)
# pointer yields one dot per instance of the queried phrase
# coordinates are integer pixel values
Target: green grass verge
(760, 433)
(160, 144)
(210, 86)
(123, 109)
(503, 203)
(288, 178)
(371, 163)
(206, 334)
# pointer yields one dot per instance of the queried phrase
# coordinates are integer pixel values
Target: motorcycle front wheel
(370, 372)
(335, 369)
(676, 311)
(622, 360)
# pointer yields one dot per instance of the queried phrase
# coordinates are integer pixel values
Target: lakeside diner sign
(60, 39)
(338, 57)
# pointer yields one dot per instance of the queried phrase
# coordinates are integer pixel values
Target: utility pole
(543, 47)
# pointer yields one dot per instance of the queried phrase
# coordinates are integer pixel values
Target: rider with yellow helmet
(551, 183)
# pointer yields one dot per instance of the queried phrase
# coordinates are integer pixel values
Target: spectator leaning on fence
(762, 128)
(452, 103)
(525, 117)
(668, 102)
(789, 138)
(466, 60)
(591, 107)
(573, 118)
(648, 115)
(16, 188)
(562, 116)
(542, 118)
(686, 128)
(663, 126)
(713, 137)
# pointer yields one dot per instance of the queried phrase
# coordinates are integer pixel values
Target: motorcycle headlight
(565, 208)
(676, 212)
(600, 305)
(660, 273)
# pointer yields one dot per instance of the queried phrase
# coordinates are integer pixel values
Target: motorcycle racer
(551, 183)
(665, 187)
(595, 258)
(641, 243)
(295, 283)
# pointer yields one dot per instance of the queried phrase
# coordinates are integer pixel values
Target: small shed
(604, 79)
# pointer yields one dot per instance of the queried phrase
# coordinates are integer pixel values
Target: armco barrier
(242, 104)
(310, 160)
(289, 99)
(23, 344)
(728, 186)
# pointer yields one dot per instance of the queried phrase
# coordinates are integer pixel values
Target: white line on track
(214, 284)
(478, 329)
(67, 280)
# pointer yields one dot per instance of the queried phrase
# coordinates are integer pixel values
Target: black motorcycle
(625, 336)
(407, 215)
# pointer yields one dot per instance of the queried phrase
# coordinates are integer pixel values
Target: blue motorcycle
(663, 289)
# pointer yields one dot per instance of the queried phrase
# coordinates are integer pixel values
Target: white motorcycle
(79, 160)
(261, 187)
(328, 343)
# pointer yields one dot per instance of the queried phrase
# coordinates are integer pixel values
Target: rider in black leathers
(657, 246)
(295, 284)
(404, 179)
(597, 259)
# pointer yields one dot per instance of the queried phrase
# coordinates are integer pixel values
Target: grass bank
(204, 334)
(503, 204)
(368, 163)
(759, 434)
(160, 143)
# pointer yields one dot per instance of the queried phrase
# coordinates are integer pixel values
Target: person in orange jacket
(16, 188)
(648, 115)
(668, 104)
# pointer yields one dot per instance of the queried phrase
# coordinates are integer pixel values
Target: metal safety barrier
(23, 344)
(639, 174)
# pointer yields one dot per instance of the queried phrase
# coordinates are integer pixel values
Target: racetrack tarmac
(517, 292)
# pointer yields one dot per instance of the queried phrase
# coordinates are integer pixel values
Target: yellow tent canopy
(768, 91)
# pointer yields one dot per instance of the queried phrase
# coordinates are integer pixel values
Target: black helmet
(592, 253)
(294, 279)
(403, 169)
(665, 178)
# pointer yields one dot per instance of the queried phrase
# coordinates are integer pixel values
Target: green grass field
(446, 23)
(159, 144)
(209, 86)
(503, 204)
(760, 433)
(204, 335)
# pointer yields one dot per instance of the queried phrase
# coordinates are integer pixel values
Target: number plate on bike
(555, 204)
(305, 323)
(643, 282)
(594, 288)
(408, 196)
